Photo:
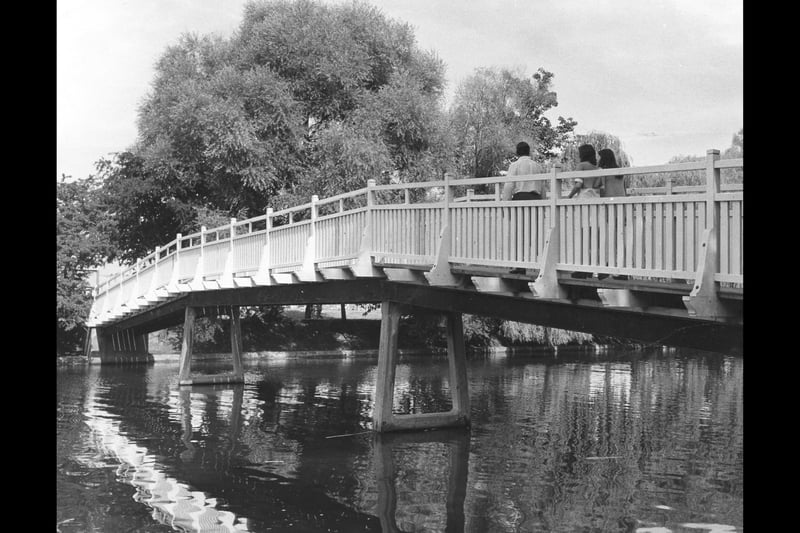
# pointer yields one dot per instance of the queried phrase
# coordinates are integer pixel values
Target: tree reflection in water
(578, 443)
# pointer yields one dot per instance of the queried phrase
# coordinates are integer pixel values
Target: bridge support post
(122, 347)
(704, 301)
(185, 376)
(546, 284)
(383, 418)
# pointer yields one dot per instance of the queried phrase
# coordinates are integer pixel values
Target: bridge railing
(406, 220)
(658, 232)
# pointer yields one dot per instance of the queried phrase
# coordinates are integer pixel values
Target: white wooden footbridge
(662, 265)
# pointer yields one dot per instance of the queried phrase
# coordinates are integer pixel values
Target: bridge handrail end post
(704, 301)
(546, 285)
(441, 275)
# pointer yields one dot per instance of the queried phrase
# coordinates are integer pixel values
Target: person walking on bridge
(523, 190)
(586, 187)
(613, 186)
(524, 165)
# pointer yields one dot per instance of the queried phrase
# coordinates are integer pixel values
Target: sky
(666, 77)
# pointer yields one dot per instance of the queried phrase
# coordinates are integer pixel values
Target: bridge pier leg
(383, 418)
(124, 346)
(185, 376)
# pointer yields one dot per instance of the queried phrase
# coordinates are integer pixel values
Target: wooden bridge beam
(187, 350)
(121, 346)
(383, 418)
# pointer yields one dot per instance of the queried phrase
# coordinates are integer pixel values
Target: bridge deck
(673, 257)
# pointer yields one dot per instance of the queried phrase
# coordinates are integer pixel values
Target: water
(623, 441)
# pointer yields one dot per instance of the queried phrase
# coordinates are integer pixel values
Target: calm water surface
(623, 441)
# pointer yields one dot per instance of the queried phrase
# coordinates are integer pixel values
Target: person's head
(607, 159)
(586, 153)
(523, 148)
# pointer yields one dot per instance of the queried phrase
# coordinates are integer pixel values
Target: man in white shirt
(524, 190)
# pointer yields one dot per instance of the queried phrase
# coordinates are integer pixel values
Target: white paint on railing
(659, 234)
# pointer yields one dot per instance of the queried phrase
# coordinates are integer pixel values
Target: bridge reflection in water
(554, 445)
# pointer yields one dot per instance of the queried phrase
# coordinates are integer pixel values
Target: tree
(82, 242)
(598, 139)
(306, 98)
(697, 177)
(494, 109)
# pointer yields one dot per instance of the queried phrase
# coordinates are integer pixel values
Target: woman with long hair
(612, 185)
(586, 187)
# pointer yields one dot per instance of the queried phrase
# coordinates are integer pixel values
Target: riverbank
(293, 336)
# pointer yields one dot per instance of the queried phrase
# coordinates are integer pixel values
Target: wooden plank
(480, 220)
(595, 229)
(527, 235)
(409, 231)
(628, 236)
(387, 363)
(492, 234)
(522, 242)
(724, 238)
(562, 230)
(603, 233)
(542, 224)
(659, 237)
(648, 236)
(187, 344)
(620, 239)
(509, 234)
(680, 217)
(576, 236)
(394, 232)
(468, 214)
(669, 236)
(456, 356)
(569, 243)
(458, 237)
(639, 285)
(236, 342)
(691, 240)
(585, 235)
(639, 255)
(736, 238)
(613, 241)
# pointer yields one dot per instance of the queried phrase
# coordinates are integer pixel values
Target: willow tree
(496, 108)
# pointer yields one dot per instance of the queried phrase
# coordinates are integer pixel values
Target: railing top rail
(288, 210)
(169, 244)
(494, 179)
(246, 221)
(729, 163)
(627, 171)
(410, 185)
(343, 196)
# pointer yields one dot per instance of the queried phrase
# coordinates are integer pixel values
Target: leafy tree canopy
(494, 109)
(82, 229)
(598, 139)
(306, 98)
